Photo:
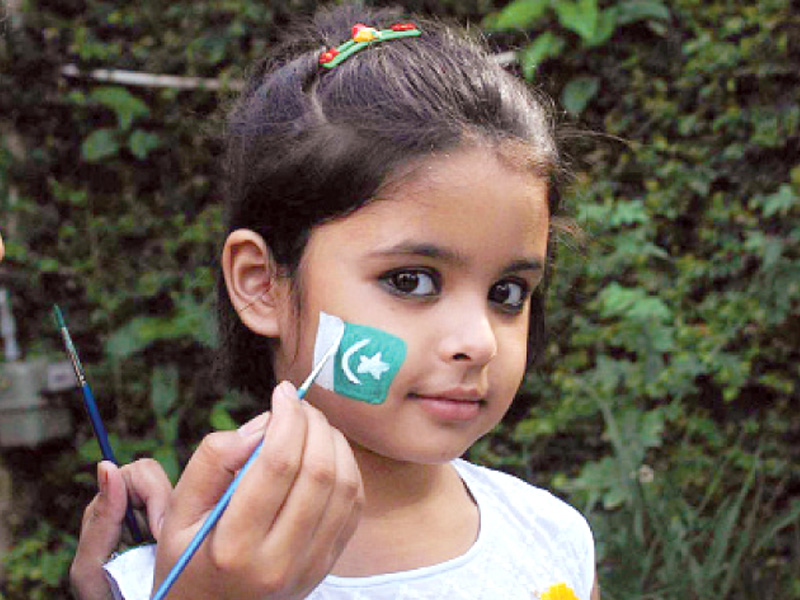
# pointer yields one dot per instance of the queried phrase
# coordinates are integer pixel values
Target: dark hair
(306, 144)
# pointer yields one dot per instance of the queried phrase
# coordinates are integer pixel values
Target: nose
(467, 334)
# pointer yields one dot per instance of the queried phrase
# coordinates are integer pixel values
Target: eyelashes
(509, 294)
(420, 283)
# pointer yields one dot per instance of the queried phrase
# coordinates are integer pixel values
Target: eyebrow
(450, 256)
(533, 264)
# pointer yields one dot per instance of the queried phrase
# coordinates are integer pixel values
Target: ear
(252, 281)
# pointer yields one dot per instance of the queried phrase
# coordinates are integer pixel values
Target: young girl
(407, 186)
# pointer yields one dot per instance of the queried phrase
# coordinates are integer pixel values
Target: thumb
(102, 521)
(100, 534)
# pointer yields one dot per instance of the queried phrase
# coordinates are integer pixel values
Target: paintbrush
(94, 415)
(222, 503)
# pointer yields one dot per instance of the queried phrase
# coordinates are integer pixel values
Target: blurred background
(667, 407)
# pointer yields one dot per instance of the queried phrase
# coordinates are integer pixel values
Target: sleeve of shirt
(130, 574)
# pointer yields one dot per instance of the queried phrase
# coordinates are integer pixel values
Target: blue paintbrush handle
(94, 415)
(223, 502)
(97, 424)
(108, 454)
(208, 525)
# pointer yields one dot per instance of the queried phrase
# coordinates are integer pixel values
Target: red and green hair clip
(363, 36)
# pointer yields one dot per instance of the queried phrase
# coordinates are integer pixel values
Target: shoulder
(502, 488)
(529, 517)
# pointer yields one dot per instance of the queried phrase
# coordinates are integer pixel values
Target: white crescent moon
(346, 359)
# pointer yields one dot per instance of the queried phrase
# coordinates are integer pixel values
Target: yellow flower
(559, 591)
(366, 34)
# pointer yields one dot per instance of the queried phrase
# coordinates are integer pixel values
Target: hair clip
(363, 36)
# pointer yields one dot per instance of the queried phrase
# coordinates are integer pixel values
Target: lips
(452, 405)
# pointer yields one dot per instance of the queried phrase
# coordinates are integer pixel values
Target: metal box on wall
(27, 416)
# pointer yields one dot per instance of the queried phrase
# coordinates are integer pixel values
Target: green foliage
(34, 568)
(116, 216)
(189, 320)
(556, 23)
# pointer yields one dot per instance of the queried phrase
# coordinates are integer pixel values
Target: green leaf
(791, 516)
(547, 45)
(652, 428)
(191, 321)
(164, 389)
(631, 212)
(135, 336)
(221, 419)
(578, 93)
(126, 106)
(168, 459)
(632, 303)
(168, 429)
(519, 14)
(126, 450)
(581, 17)
(100, 144)
(606, 25)
(650, 309)
(141, 143)
(632, 11)
(48, 265)
(781, 202)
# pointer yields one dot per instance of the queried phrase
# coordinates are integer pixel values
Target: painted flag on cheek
(365, 363)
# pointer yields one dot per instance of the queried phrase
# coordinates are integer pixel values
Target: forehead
(471, 201)
(473, 188)
(505, 170)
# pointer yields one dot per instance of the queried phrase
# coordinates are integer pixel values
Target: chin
(420, 454)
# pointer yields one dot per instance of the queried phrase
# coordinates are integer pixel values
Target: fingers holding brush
(267, 485)
(322, 506)
(344, 507)
(101, 530)
(205, 479)
(286, 523)
(306, 488)
(148, 487)
(289, 514)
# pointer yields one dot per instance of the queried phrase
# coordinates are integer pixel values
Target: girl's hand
(287, 523)
(146, 485)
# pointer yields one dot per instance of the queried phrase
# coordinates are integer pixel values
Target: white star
(374, 366)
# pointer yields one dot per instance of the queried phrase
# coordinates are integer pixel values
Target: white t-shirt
(530, 543)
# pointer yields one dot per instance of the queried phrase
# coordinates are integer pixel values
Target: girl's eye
(412, 282)
(511, 295)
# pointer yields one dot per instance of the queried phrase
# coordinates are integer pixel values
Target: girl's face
(445, 260)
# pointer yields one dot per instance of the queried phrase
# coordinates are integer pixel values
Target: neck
(415, 515)
(390, 485)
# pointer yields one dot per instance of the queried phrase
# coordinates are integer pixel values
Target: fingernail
(285, 392)
(159, 525)
(254, 425)
(102, 480)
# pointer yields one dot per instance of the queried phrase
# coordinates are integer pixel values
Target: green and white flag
(365, 363)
